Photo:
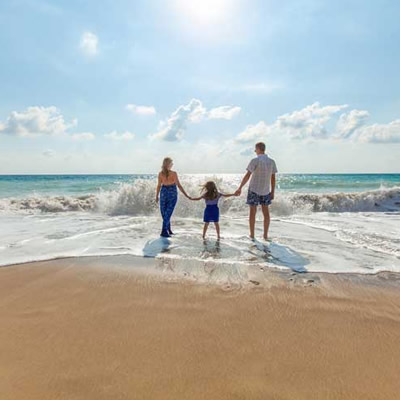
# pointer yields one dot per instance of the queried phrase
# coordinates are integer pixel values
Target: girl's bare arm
(196, 198)
(227, 195)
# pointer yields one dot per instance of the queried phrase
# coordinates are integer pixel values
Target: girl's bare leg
(217, 229)
(205, 230)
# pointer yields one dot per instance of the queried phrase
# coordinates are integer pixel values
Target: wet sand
(103, 328)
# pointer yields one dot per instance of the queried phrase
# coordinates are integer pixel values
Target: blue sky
(114, 86)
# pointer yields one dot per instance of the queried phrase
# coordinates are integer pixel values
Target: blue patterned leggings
(168, 199)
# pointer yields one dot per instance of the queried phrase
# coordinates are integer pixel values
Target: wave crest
(139, 199)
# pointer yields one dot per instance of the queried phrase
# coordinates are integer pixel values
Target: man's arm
(272, 186)
(244, 181)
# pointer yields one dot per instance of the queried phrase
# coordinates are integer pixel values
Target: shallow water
(312, 231)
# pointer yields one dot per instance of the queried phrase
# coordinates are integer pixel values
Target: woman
(168, 182)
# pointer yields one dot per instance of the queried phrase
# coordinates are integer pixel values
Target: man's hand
(272, 195)
(238, 192)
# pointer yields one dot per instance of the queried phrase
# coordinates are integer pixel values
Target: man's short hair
(260, 146)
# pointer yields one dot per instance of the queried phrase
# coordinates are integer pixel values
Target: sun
(204, 12)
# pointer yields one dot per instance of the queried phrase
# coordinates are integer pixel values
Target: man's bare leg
(205, 230)
(252, 220)
(267, 219)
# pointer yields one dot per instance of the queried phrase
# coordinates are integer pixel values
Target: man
(262, 170)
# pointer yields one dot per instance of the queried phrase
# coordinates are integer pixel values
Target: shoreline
(108, 327)
(283, 274)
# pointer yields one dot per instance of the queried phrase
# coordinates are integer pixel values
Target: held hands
(238, 192)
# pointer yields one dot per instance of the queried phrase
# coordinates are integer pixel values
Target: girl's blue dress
(211, 212)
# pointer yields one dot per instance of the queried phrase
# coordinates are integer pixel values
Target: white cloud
(48, 153)
(223, 112)
(254, 132)
(84, 136)
(119, 136)
(174, 128)
(36, 121)
(141, 110)
(380, 133)
(349, 122)
(314, 120)
(308, 122)
(247, 152)
(89, 44)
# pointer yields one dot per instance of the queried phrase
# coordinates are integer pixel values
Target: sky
(115, 86)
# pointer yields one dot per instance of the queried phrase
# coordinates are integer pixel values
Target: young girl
(211, 212)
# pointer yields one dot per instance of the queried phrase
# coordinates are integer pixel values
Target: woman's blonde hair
(210, 190)
(164, 167)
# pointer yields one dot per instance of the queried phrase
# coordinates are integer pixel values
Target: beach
(115, 327)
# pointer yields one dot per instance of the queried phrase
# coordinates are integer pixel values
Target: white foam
(138, 198)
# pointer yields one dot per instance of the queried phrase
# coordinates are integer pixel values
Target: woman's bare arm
(158, 187)
(180, 186)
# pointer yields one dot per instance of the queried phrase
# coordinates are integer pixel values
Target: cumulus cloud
(84, 136)
(313, 122)
(48, 153)
(174, 128)
(349, 122)
(223, 112)
(308, 122)
(36, 121)
(141, 110)
(89, 44)
(380, 133)
(247, 152)
(254, 132)
(119, 136)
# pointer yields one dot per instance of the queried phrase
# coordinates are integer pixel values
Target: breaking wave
(139, 199)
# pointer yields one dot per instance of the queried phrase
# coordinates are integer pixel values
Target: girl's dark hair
(210, 190)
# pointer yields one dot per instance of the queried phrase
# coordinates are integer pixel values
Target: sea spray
(138, 198)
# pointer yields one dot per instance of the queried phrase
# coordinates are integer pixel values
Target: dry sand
(96, 329)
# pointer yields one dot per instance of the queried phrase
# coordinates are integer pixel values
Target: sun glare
(204, 12)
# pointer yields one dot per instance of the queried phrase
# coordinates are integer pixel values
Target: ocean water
(328, 223)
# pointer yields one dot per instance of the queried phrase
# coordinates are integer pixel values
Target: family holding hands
(261, 172)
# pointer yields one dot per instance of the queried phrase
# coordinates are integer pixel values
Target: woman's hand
(157, 199)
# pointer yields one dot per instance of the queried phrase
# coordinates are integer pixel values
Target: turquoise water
(27, 185)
